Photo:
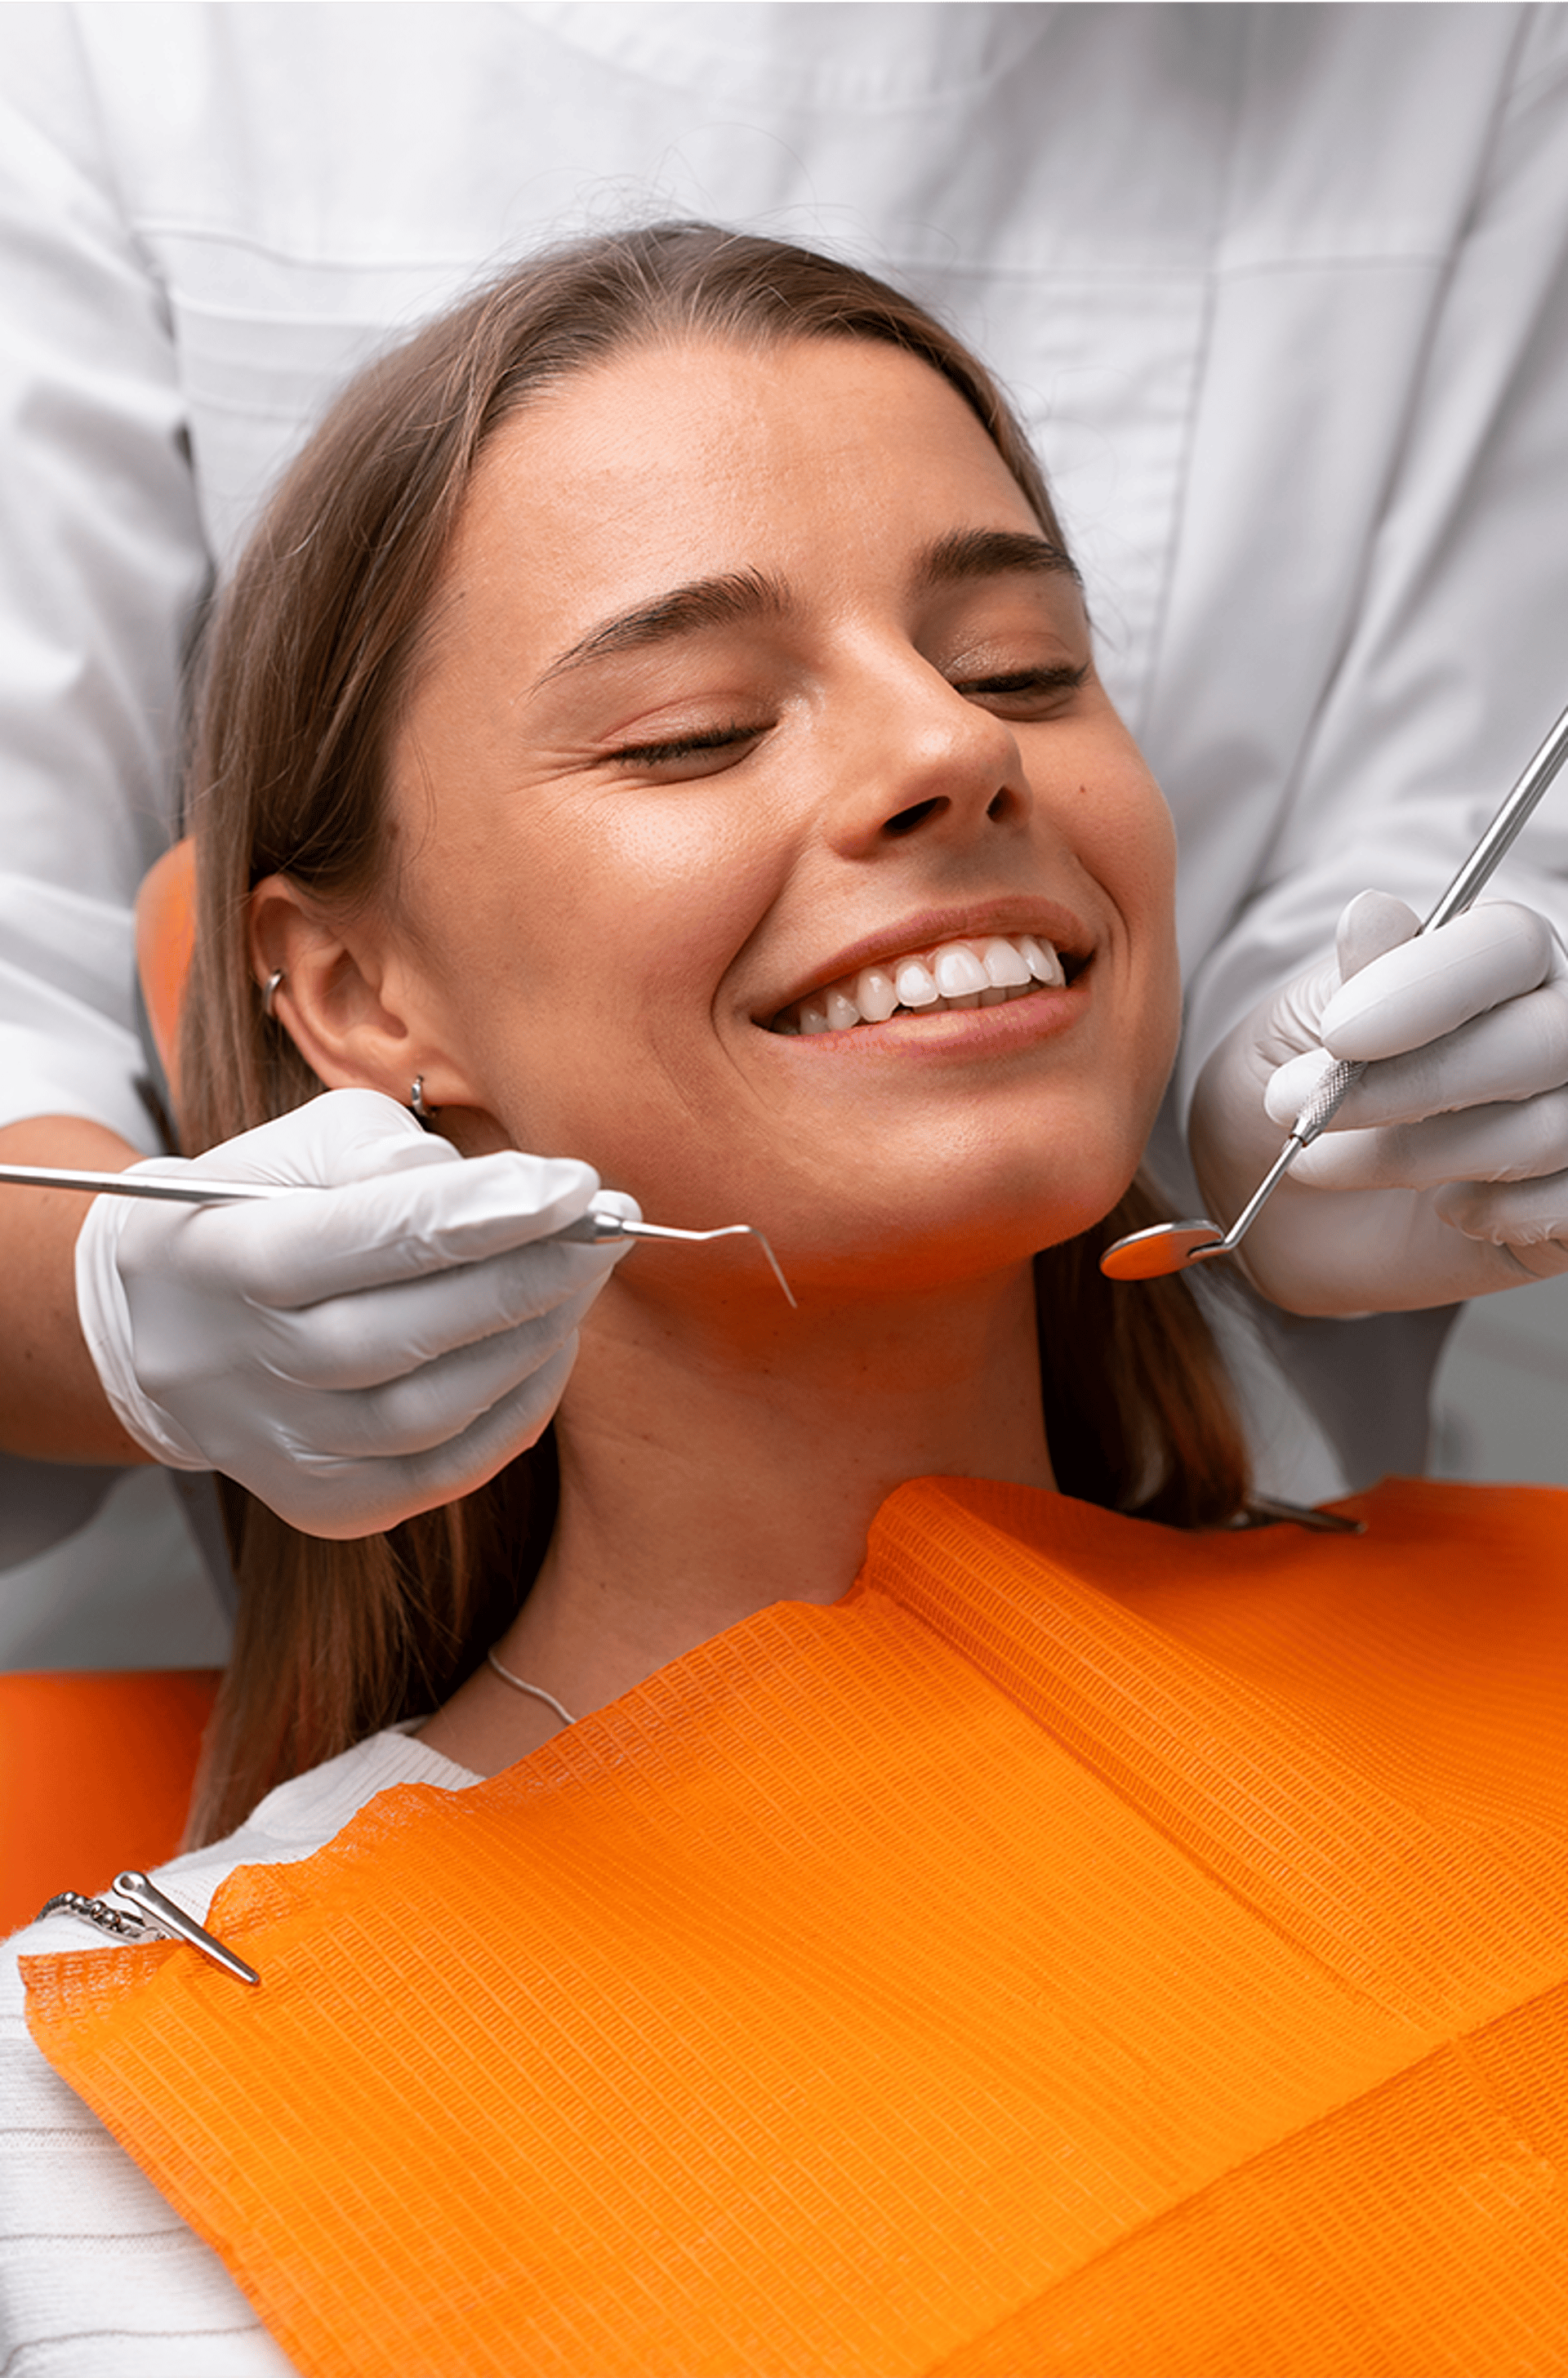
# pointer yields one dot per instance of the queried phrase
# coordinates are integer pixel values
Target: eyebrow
(742, 594)
(705, 603)
(992, 553)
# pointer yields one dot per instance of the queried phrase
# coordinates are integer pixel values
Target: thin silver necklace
(537, 1691)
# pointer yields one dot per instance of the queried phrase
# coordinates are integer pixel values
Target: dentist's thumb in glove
(1373, 924)
(383, 1341)
(1256, 1081)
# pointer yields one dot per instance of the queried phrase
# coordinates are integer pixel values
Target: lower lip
(954, 1034)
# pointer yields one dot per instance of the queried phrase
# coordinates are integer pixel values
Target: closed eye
(686, 746)
(1047, 684)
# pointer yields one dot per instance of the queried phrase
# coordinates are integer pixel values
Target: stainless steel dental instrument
(598, 1225)
(1172, 1246)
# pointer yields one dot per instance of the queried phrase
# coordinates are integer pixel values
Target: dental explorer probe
(600, 1224)
(1171, 1246)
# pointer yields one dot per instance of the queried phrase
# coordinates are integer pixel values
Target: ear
(353, 1001)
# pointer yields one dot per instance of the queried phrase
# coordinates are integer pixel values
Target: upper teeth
(979, 973)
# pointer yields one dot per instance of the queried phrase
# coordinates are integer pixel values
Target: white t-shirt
(98, 2276)
(1282, 291)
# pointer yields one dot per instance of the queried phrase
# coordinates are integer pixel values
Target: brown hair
(312, 653)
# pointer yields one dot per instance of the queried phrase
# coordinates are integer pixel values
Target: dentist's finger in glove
(1490, 994)
(1407, 996)
(349, 1287)
(350, 1377)
(1472, 1014)
(385, 1341)
(438, 1433)
(443, 1471)
(1515, 1051)
(1509, 1142)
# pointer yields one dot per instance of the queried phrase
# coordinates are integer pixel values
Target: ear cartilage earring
(594, 1228)
(420, 1111)
(270, 991)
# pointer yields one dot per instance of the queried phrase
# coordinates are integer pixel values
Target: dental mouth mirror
(592, 1228)
(1172, 1246)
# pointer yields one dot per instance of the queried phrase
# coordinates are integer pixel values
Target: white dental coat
(1282, 291)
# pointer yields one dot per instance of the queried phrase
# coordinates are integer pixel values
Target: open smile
(978, 970)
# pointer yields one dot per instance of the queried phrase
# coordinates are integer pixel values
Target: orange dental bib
(1085, 1948)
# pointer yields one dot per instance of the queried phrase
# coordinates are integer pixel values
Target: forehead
(674, 459)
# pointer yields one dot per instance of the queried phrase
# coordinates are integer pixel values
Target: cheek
(575, 952)
(1129, 847)
(1133, 852)
(1125, 841)
(1151, 919)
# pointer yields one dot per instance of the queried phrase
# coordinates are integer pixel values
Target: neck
(713, 1463)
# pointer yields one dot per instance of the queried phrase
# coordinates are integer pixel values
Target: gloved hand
(385, 1341)
(1442, 1175)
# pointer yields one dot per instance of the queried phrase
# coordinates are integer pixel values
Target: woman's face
(756, 703)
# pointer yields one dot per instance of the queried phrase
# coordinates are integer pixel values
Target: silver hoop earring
(270, 992)
(420, 1111)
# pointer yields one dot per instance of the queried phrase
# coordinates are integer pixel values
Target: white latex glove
(385, 1341)
(1442, 1175)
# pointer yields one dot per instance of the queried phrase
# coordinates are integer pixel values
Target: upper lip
(1048, 919)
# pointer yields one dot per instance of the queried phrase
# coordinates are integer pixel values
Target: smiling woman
(985, 1914)
(673, 647)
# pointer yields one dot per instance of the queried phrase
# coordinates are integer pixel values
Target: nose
(925, 762)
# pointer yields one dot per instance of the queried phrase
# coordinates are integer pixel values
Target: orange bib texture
(1085, 1948)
